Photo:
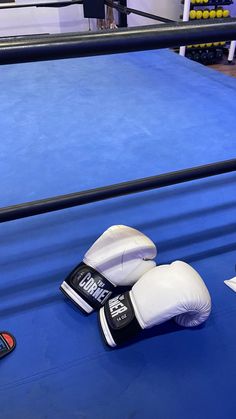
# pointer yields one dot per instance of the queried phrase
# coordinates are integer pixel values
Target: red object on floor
(7, 343)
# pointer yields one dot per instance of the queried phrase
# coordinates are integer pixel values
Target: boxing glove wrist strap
(121, 319)
(90, 285)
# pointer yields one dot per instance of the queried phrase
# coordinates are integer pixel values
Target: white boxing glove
(167, 291)
(120, 256)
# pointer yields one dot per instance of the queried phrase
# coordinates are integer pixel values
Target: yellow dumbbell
(209, 45)
(198, 14)
(202, 45)
(226, 13)
(222, 43)
(216, 44)
(198, 1)
(193, 1)
(189, 46)
(206, 14)
(205, 1)
(219, 13)
(212, 14)
(196, 46)
(192, 14)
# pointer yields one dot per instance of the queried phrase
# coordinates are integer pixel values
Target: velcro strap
(121, 319)
(90, 285)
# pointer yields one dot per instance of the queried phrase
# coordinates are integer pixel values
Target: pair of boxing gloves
(123, 256)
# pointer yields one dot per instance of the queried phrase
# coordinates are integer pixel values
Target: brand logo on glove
(117, 307)
(93, 287)
(120, 315)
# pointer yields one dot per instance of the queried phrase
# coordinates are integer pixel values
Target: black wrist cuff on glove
(121, 319)
(87, 288)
